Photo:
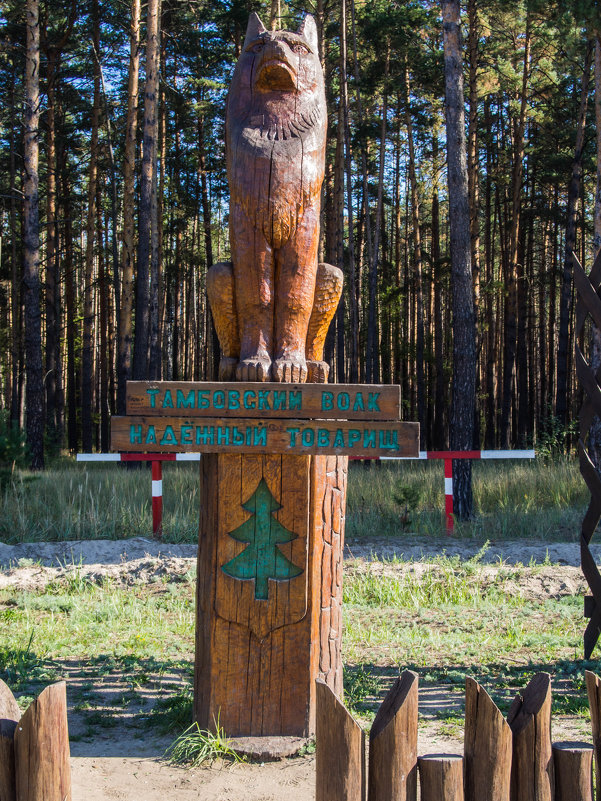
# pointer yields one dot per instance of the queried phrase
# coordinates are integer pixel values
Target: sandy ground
(126, 763)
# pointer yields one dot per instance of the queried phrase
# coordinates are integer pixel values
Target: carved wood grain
(390, 439)
(43, 770)
(10, 714)
(365, 401)
(256, 681)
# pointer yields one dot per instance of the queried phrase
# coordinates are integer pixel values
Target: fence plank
(532, 763)
(9, 717)
(42, 748)
(593, 688)
(573, 763)
(339, 750)
(441, 777)
(393, 744)
(487, 745)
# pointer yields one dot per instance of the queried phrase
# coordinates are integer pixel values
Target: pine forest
(114, 203)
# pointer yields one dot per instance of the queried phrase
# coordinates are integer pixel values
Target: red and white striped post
(448, 494)
(157, 481)
(156, 460)
(447, 457)
(157, 499)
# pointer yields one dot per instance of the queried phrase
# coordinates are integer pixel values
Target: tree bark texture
(9, 717)
(87, 356)
(393, 744)
(353, 350)
(34, 399)
(127, 247)
(339, 750)
(441, 777)
(565, 301)
(417, 270)
(573, 765)
(464, 333)
(487, 747)
(532, 777)
(511, 304)
(257, 659)
(147, 185)
(43, 770)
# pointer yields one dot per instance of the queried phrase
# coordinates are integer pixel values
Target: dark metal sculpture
(589, 303)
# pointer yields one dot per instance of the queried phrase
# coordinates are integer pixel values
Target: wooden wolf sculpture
(273, 303)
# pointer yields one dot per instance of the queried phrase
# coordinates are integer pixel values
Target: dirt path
(126, 762)
(79, 553)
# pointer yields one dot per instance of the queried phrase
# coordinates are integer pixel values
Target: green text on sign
(353, 438)
(264, 400)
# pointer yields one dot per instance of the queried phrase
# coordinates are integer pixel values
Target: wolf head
(276, 72)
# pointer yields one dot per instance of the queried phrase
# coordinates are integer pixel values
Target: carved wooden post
(273, 483)
(262, 641)
(393, 744)
(273, 490)
(573, 764)
(339, 750)
(441, 777)
(532, 777)
(487, 746)
(43, 770)
(9, 717)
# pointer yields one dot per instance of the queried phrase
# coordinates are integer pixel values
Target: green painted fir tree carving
(262, 559)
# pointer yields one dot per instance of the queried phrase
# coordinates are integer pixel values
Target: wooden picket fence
(509, 759)
(34, 748)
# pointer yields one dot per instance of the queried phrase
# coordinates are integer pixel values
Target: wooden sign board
(264, 400)
(223, 435)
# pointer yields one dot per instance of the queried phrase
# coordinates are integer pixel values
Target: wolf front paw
(317, 372)
(256, 369)
(290, 371)
(227, 368)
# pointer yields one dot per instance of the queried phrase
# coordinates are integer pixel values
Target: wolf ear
(254, 29)
(308, 30)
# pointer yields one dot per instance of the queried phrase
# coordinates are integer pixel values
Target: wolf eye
(297, 47)
(257, 48)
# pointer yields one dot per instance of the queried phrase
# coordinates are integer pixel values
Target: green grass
(540, 499)
(512, 499)
(449, 622)
(137, 644)
(197, 746)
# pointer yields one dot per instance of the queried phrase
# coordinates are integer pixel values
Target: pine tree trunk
(87, 358)
(154, 366)
(490, 362)
(464, 334)
(206, 226)
(15, 290)
(440, 439)
(372, 356)
(339, 211)
(127, 250)
(103, 303)
(31, 229)
(71, 318)
(143, 321)
(417, 271)
(565, 300)
(352, 282)
(474, 189)
(512, 262)
(53, 370)
(52, 273)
